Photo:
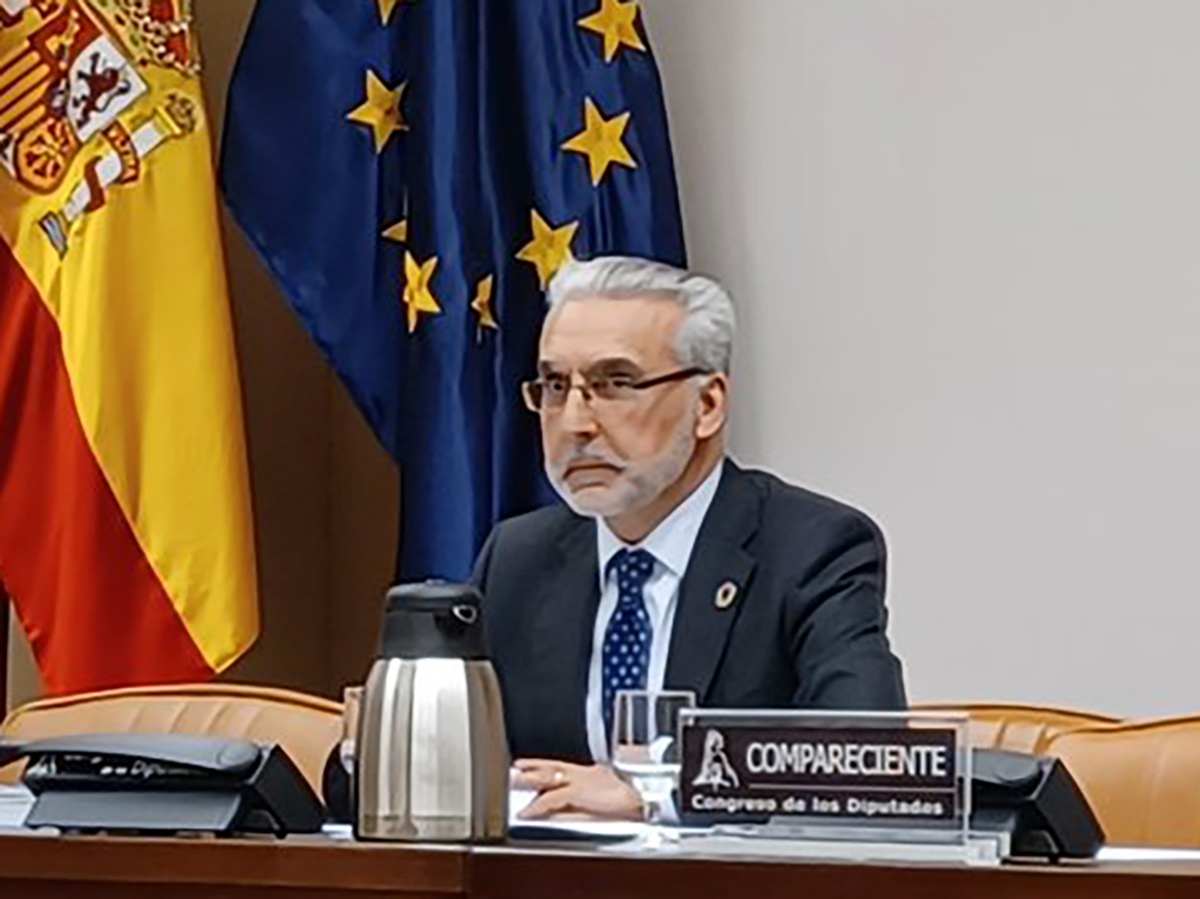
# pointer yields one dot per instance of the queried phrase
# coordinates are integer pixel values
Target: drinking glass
(646, 748)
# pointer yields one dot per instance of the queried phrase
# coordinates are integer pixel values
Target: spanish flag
(126, 541)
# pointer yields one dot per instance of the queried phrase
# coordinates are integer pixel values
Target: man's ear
(714, 406)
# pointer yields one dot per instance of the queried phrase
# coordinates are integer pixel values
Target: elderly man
(669, 566)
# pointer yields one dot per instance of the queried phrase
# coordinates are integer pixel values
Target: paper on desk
(518, 799)
(1140, 854)
(15, 802)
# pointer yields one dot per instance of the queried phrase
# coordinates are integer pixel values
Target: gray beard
(638, 485)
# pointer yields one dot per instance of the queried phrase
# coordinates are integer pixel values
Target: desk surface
(37, 867)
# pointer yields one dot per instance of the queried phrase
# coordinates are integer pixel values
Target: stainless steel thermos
(432, 751)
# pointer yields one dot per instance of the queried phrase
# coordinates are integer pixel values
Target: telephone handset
(165, 783)
(1036, 801)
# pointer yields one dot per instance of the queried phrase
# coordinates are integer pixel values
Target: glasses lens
(601, 387)
(613, 388)
(532, 391)
(555, 389)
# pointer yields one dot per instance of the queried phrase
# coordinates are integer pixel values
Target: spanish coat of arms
(97, 82)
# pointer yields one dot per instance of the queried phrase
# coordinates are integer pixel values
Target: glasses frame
(533, 391)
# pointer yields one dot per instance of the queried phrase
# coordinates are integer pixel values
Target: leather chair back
(1141, 779)
(307, 727)
(1017, 727)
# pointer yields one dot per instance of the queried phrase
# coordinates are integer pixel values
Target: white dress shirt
(671, 545)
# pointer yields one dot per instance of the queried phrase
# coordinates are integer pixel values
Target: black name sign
(741, 772)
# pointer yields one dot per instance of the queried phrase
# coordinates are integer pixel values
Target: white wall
(964, 235)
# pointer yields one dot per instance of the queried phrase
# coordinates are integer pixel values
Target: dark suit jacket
(807, 628)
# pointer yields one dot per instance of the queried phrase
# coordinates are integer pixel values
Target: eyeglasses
(549, 393)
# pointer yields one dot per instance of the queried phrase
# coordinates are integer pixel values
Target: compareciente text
(848, 759)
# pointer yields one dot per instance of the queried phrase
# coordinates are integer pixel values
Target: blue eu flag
(413, 172)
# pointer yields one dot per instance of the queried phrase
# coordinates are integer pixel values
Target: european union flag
(413, 172)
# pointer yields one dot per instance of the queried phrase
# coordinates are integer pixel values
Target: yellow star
(387, 7)
(397, 232)
(615, 22)
(600, 141)
(550, 247)
(417, 295)
(482, 304)
(381, 110)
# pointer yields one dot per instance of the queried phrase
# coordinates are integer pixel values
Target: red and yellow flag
(126, 540)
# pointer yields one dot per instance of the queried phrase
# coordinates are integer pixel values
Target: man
(669, 566)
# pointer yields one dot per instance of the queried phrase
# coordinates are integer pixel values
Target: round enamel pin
(726, 595)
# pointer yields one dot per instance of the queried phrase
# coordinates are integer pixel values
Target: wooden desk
(108, 868)
(513, 873)
(126, 868)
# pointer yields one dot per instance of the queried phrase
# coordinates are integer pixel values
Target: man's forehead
(586, 329)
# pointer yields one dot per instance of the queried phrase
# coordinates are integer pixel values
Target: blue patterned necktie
(626, 660)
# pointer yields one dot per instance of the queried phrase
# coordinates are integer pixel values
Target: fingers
(541, 764)
(562, 787)
(540, 781)
(550, 803)
(541, 774)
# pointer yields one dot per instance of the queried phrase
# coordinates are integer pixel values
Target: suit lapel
(568, 598)
(718, 559)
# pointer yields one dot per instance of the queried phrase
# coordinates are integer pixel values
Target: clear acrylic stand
(846, 844)
(822, 829)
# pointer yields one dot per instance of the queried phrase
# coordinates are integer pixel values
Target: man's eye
(557, 385)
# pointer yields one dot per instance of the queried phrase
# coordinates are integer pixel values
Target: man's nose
(577, 416)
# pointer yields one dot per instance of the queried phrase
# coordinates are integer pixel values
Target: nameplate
(831, 768)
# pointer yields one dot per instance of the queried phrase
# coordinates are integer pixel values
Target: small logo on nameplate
(716, 771)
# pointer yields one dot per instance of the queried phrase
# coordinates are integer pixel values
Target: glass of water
(645, 744)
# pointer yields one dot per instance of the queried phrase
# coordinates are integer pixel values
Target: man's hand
(588, 789)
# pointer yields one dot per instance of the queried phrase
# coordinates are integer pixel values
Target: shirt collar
(672, 541)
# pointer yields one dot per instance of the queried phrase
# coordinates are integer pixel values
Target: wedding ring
(559, 777)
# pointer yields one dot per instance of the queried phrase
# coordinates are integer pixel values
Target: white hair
(705, 338)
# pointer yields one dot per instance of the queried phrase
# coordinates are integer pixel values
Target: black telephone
(1035, 800)
(165, 783)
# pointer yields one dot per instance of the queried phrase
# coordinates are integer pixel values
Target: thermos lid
(433, 620)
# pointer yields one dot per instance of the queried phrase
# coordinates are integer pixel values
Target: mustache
(591, 456)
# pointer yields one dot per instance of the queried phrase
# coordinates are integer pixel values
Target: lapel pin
(726, 595)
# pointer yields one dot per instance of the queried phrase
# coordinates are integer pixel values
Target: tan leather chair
(1017, 727)
(307, 727)
(1142, 779)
